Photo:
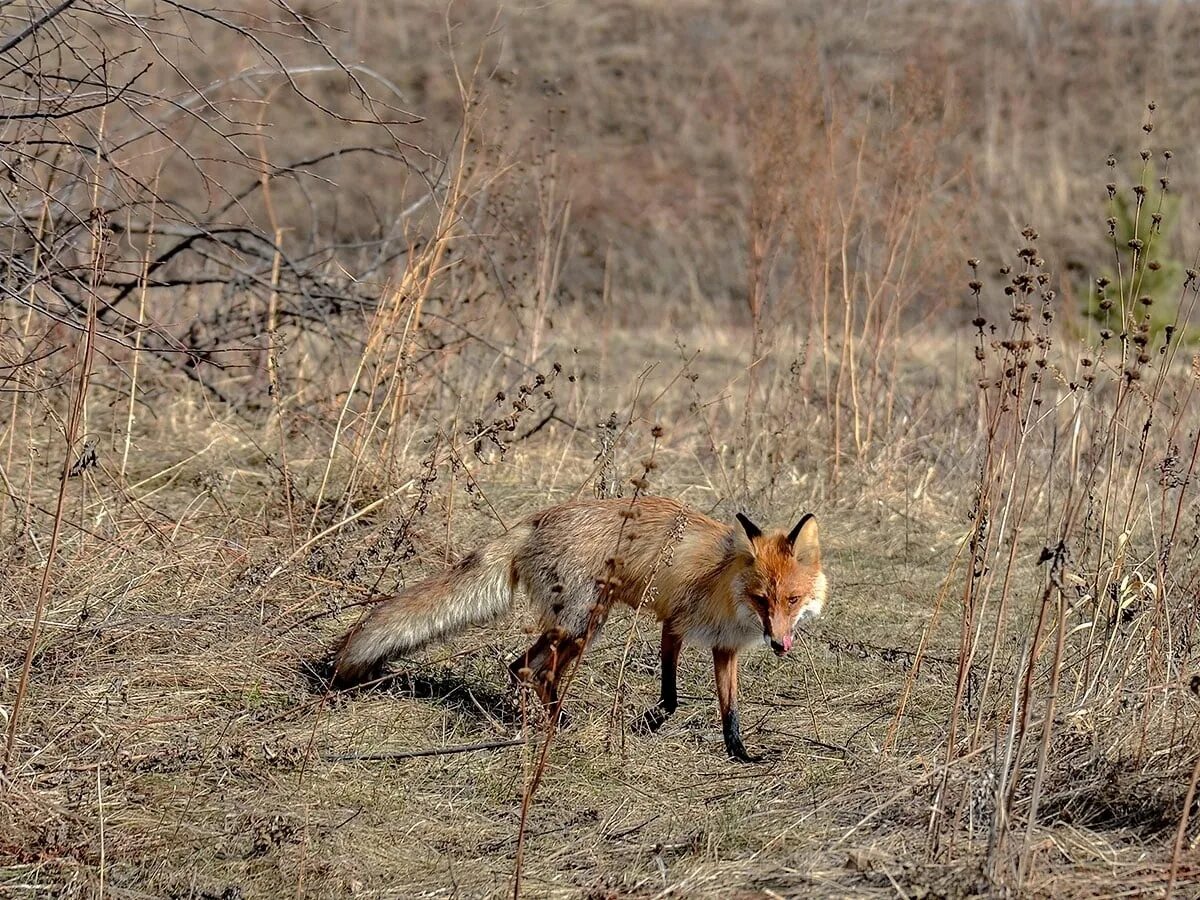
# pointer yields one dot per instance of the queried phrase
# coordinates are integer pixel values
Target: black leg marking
(731, 727)
(654, 718)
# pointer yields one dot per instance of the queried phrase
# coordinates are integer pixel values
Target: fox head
(784, 582)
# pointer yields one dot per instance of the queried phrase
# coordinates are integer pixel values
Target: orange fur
(708, 583)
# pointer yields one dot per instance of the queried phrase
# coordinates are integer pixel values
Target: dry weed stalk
(1069, 436)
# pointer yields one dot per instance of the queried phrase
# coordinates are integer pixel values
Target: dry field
(301, 301)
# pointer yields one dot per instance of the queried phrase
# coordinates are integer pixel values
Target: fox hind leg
(544, 665)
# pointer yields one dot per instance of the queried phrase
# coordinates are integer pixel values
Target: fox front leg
(725, 665)
(668, 702)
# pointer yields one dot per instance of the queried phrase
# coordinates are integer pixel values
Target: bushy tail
(478, 588)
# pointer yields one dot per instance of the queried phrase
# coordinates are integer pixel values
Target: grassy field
(301, 303)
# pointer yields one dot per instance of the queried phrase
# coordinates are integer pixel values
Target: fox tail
(477, 589)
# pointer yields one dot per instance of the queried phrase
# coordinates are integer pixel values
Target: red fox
(707, 583)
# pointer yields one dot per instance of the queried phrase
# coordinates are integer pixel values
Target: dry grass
(271, 347)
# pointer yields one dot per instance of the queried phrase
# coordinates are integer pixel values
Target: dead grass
(169, 714)
(747, 227)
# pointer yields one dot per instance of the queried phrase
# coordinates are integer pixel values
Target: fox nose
(781, 646)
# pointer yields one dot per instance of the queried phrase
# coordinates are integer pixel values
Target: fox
(709, 584)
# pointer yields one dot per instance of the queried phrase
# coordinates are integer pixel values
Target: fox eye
(793, 600)
(760, 599)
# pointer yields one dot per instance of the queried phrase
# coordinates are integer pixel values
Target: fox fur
(710, 584)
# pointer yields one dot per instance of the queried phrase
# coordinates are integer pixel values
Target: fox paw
(742, 755)
(651, 720)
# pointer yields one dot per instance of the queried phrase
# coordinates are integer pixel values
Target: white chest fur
(743, 630)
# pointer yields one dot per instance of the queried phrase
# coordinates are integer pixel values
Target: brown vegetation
(300, 300)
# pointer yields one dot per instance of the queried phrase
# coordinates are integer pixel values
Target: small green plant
(1143, 292)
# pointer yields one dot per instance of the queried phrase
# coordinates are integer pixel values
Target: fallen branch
(387, 756)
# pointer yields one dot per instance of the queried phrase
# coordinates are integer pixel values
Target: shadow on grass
(466, 697)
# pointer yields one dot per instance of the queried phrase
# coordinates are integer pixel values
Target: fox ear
(752, 530)
(804, 540)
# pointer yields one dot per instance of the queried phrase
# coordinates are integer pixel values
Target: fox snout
(781, 645)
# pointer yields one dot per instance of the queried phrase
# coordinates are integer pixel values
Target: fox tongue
(787, 643)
